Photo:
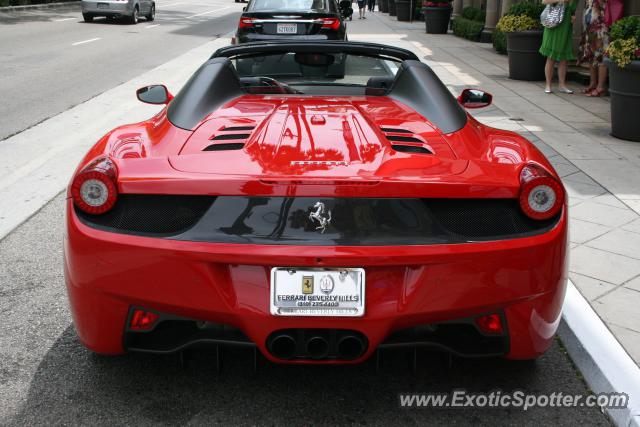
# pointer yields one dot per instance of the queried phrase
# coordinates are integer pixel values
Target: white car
(130, 9)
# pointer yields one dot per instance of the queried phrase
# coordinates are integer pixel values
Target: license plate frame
(343, 295)
(102, 5)
(287, 29)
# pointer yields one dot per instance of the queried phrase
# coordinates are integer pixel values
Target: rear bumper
(253, 37)
(108, 273)
(114, 8)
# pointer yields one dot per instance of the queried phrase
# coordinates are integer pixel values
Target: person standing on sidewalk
(593, 44)
(362, 4)
(372, 5)
(557, 46)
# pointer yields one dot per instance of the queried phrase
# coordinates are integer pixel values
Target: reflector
(142, 320)
(490, 324)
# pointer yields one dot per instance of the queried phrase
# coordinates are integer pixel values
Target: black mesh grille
(157, 215)
(482, 218)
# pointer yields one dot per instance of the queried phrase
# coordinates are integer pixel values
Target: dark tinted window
(288, 5)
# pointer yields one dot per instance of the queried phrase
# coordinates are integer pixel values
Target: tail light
(142, 320)
(490, 324)
(331, 23)
(541, 195)
(246, 22)
(94, 189)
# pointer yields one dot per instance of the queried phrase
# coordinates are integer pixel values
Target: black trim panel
(347, 221)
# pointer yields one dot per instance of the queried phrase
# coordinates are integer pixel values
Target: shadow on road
(73, 386)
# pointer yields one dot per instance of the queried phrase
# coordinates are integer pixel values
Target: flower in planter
(514, 23)
(625, 41)
(436, 4)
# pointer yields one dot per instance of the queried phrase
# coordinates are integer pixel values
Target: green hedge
(499, 40)
(26, 2)
(473, 14)
(467, 28)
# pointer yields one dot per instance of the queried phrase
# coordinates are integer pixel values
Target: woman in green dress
(557, 46)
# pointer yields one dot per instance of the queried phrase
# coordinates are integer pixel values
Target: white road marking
(206, 13)
(151, 26)
(85, 41)
(63, 19)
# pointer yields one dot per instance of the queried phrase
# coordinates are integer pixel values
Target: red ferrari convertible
(316, 201)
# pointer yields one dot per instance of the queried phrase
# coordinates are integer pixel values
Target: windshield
(304, 69)
(290, 5)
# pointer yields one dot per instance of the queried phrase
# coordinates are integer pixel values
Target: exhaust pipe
(283, 346)
(317, 347)
(351, 347)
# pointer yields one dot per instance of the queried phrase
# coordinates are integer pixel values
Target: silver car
(129, 9)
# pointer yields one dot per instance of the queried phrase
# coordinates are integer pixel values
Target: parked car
(316, 201)
(111, 9)
(291, 19)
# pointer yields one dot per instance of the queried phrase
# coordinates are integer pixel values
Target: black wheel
(133, 19)
(152, 13)
(87, 17)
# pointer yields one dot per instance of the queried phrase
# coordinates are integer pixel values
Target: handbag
(614, 10)
(552, 15)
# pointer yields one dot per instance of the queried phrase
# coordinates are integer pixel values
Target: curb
(39, 6)
(603, 362)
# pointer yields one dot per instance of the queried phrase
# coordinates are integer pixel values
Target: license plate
(317, 292)
(287, 29)
(103, 5)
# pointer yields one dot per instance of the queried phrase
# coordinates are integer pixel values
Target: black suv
(291, 19)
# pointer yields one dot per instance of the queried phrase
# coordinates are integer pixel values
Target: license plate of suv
(103, 5)
(317, 291)
(287, 28)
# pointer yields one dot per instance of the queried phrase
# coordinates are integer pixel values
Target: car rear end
(285, 19)
(111, 8)
(311, 271)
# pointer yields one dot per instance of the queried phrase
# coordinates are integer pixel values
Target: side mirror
(154, 94)
(244, 9)
(475, 98)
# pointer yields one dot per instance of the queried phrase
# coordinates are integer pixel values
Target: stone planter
(624, 87)
(403, 10)
(383, 6)
(436, 19)
(525, 60)
(392, 7)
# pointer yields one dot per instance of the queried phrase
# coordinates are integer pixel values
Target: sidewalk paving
(601, 173)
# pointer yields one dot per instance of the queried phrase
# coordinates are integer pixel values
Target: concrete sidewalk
(601, 173)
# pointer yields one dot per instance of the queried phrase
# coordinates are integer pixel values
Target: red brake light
(142, 320)
(246, 22)
(94, 188)
(541, 195)
(490, 324)
(331, 23)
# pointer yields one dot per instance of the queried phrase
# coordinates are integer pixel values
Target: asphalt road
(51, 60)
(48, 378)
